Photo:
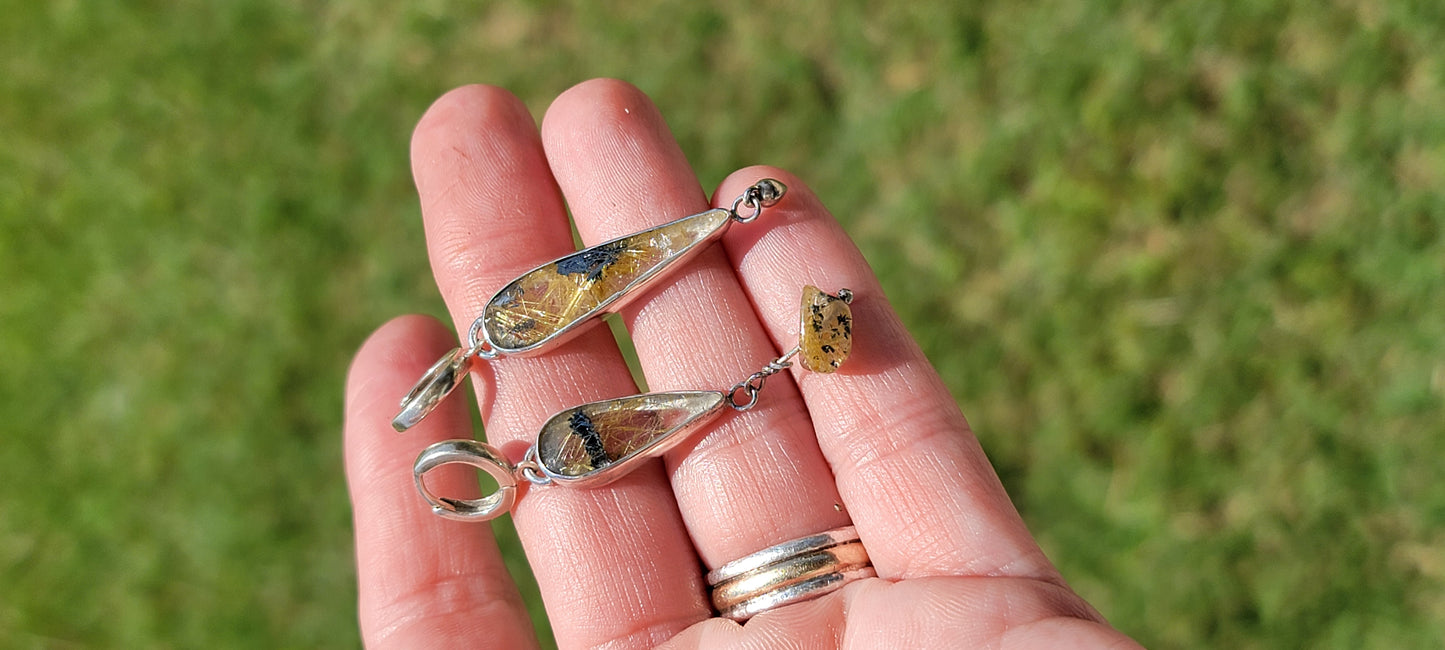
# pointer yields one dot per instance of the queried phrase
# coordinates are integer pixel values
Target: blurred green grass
(1181, 263)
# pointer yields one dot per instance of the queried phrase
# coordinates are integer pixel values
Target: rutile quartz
(549, 300)
(584, 440)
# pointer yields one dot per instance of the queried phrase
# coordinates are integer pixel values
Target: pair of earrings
(598, 442)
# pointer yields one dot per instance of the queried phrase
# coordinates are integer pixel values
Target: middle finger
(756, 478)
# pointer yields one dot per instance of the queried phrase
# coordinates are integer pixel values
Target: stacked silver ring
(791, 572)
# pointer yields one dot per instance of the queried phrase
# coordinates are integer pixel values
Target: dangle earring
(551, 303)
(599, 442)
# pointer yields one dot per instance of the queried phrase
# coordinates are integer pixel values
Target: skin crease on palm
(622, 566)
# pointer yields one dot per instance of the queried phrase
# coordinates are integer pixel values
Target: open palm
(880, 443)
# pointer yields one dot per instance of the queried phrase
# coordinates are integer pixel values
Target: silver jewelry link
(478, 343)
(754, 383)
(749, 200)
(763, 194)
(531, 470)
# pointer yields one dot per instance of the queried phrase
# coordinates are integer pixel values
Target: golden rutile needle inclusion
(548, 300)
(827, 331)
(588, 438)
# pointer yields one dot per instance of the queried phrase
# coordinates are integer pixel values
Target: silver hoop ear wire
(473, 454)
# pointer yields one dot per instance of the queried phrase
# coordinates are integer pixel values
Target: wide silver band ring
(791, 572)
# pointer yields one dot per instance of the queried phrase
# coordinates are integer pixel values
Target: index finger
(422, 581)
(614, 565)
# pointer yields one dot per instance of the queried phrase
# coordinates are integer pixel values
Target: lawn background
(1181, 263)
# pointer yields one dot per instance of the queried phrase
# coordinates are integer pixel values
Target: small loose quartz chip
(827, 331)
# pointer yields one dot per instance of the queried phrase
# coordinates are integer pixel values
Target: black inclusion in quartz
(592, 261)
(591, 441)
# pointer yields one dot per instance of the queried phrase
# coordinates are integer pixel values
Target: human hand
(880, 443)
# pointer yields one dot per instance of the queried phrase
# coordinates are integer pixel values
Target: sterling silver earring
(599, 442)
(551, 303)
